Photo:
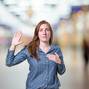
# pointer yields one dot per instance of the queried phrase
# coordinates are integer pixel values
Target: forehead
(44, 26)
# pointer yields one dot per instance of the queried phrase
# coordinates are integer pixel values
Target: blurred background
(70, 22)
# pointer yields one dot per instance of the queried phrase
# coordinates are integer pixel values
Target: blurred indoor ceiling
(24, 14)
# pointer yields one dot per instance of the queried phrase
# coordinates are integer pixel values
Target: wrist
(59, 61)
(12, 47)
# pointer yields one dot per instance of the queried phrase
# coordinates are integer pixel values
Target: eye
(47, 29)
(40, 30)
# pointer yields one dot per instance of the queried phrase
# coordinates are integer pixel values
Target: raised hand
(16, 40)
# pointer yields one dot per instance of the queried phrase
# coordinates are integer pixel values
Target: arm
(12, 59)
(60, 67)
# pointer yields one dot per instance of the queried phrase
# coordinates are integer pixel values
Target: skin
(44, 35)
(16, 40)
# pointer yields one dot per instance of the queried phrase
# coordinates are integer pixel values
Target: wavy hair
(34, 44)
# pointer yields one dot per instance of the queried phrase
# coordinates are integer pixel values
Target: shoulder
(58, 50)
(56, 46)
(26, 50)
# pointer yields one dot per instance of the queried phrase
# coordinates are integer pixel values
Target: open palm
(17, 39)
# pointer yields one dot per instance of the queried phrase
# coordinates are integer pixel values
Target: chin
(45, 41)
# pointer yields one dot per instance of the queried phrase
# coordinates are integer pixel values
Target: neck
(44, 45)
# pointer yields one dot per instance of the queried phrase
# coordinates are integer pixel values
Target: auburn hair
(34, 44)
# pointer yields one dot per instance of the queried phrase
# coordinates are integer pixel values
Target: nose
(44, 32)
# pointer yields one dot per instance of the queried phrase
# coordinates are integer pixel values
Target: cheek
(39, 35)
(49, 35)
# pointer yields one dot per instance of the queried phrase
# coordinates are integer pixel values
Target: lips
(44, 36)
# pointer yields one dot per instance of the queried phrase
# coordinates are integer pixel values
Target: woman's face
(44, 33)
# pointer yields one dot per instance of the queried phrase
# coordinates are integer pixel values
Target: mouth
(44, 35)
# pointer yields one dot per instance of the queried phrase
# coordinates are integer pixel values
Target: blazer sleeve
(60, 67)
(12, 59)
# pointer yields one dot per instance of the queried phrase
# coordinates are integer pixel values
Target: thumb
(21, 42)
(56, 54)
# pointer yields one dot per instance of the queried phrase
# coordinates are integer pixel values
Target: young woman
(45, 59)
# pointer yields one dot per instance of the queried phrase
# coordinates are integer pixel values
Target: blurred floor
(74, 78)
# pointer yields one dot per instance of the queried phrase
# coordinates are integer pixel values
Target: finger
(49, 56)
(15, 34)
(19, 35)
(56, 54)
(21, 42)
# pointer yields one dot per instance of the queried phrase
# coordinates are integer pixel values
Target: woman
(45, 59)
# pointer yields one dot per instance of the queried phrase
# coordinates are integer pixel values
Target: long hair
(34, 44)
